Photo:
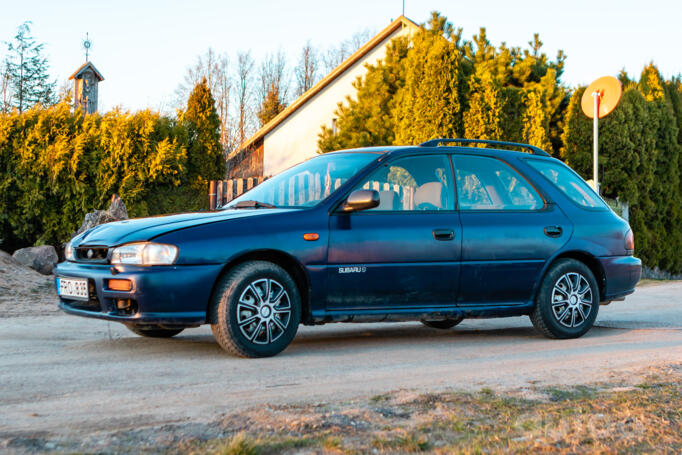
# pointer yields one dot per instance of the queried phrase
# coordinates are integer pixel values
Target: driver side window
(415, 183)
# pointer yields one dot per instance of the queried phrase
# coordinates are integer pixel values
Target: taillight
(630, 241)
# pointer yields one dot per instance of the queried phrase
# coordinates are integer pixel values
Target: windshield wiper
(252, 205)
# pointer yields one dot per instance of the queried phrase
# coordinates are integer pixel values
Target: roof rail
(532, 148)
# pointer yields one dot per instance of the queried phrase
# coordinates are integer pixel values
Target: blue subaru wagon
(434, 233)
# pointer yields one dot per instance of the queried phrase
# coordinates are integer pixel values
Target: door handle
(553, 231)
(443, 234)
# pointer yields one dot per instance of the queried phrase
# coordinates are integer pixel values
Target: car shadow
(345, 339)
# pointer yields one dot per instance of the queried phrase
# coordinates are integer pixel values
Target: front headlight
(145, 254)
(68, 252)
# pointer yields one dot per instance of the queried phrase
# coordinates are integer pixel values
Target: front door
(404, 253)
(508, 232)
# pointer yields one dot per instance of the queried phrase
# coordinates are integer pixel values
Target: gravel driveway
(64, 375)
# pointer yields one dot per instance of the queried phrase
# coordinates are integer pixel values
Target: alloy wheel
(263, 311)
(572, 300)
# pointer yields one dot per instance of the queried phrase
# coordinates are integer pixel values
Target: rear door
(508, 232)
(404, 253)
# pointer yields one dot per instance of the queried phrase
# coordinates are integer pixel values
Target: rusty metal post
(211, 195)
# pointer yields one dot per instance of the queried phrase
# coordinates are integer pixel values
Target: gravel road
(64, 375)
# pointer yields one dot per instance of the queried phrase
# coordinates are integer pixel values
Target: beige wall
(295, 139)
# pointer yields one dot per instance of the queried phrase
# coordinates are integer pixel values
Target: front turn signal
(120, 285)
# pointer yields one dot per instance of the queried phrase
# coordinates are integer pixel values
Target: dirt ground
(23, 291)
(74, 384)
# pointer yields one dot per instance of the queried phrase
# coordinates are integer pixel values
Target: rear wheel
(153, 331)
(442, 324)
(255, 310)
(568, 301)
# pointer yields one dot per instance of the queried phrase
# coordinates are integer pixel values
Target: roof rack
(435, 142)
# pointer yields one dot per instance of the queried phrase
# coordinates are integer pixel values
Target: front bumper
(622, 273)
(160, 295)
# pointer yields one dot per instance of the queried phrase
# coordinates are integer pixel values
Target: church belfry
(85, 81)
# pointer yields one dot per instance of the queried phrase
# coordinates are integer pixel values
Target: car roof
(408, 149)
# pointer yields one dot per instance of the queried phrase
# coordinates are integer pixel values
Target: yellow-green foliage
(431, 102)
(437, 85)
(56, 165)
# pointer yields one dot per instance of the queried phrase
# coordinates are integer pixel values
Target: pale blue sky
(143, 47)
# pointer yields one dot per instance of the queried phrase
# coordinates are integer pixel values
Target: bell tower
(85, 83)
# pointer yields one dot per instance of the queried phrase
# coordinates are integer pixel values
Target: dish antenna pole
(600, 99)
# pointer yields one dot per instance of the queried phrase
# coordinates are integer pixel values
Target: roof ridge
(315, 89)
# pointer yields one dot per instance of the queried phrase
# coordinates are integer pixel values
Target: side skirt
(416, 314)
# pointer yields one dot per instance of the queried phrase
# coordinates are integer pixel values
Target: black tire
(442, 324)
(153, 331)
(239, 320)
(555, 319)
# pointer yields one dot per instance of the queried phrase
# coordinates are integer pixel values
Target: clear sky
(142, 47)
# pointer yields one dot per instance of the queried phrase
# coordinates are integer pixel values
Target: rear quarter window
(569, 183)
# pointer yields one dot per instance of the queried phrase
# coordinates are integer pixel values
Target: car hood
(141, 229)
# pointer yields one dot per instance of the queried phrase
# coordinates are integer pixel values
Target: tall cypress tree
(204, 152)
(483, 119)
(432, 101)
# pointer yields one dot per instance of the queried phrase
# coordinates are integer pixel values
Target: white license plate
(73, 288)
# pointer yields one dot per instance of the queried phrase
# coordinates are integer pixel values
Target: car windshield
(305, 184)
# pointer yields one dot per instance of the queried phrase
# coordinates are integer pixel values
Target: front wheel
(568, 301)
(255, 310)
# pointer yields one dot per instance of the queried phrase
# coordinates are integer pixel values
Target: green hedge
(57, 165)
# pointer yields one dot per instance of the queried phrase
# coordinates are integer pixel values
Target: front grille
(91, 253)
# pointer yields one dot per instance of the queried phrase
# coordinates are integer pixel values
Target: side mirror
(361, 200)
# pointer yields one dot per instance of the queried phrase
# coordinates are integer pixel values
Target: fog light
(123, 304)
(120, 285)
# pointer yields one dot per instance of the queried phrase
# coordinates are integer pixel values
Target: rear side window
(569, 183)
(485, 183)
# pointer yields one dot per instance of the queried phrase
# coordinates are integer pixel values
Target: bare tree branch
(244, 94)
(307, 69)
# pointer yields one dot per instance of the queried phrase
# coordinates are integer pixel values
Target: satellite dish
(609, 90)
(601, 98)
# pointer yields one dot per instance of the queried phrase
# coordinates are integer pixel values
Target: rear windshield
(569, 183)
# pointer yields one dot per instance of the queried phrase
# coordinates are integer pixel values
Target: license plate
(73, 288)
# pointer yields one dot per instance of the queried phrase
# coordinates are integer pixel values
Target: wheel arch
(586, 258)
(290, 264)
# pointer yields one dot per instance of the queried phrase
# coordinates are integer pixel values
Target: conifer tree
(272, 105)
(483, 119)
(204, 153)
(27, 71)
(367, 118)
(432, 101)
(666, 183)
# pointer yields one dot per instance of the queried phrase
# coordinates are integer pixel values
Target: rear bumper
(622, 273)
(161, 295)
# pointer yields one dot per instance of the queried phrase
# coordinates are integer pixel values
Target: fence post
(211, 195)
(219, 195)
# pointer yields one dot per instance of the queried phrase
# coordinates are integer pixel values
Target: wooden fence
(299, 189)
(220, 192)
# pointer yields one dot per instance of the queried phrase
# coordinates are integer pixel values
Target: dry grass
(602, 418)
